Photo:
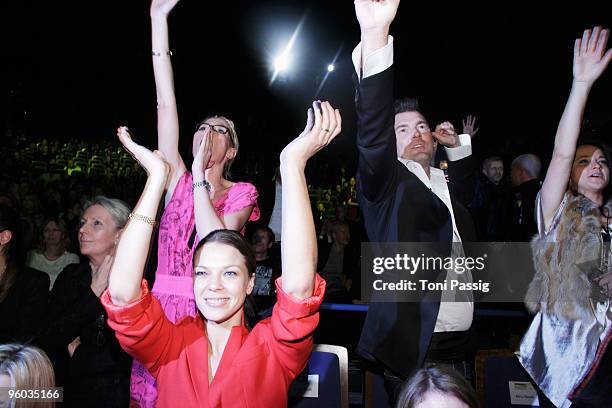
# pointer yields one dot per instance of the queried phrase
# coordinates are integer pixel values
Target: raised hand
(201, 161)
(162, 7)
(322, 126)
(153, 163)
(445, 134)
(589, 58)
(375, 14)
(469, 125)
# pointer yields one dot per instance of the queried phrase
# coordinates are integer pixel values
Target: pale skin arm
(167, 115)
(133, 247)
(590, 61)
(299, 249)
(206, 218)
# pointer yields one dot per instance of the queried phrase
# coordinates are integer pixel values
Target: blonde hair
(28, 367)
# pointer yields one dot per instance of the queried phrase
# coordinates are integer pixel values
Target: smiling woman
(213, 359)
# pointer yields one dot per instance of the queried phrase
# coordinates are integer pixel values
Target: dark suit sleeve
(376, 143)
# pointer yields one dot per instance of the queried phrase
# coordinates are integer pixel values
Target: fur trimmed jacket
(566, 262)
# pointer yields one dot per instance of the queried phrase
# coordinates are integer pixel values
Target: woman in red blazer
(212, 360)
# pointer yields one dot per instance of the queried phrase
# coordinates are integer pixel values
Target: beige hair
(118, 209)
(28, 367)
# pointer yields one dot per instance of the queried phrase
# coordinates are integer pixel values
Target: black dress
(98, 373)
(22, 311)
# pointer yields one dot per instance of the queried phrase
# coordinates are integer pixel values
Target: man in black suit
(403, 199)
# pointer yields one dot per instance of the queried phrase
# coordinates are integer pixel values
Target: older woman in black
(88, 360)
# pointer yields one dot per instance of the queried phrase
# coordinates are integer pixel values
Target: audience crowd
(65, 206)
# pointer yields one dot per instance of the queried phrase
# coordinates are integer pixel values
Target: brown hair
(233, 239)
(437, 379)
(28, 367)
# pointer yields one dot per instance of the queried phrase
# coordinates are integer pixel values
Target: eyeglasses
(223, 130)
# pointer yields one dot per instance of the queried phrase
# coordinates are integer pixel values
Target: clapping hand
(322, 126)
(152, 162)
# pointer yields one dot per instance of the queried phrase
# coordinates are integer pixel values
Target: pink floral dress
(174, 276)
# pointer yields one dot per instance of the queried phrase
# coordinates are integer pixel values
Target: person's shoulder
(36, 277)
(71, 257)
(243, 186)
(73, 271)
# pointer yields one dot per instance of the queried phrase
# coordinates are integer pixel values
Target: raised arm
(376, 141)
(375, 17)
(133, 247)
(590, 61)
(167, 116)
(299, 247)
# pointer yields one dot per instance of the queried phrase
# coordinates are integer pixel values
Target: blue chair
(324, 383)
(498, 372)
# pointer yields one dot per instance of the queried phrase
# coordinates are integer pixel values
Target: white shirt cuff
(376, 62)
(462, 151)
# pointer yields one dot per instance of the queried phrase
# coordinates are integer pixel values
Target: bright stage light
(330, 68)
(281, 63)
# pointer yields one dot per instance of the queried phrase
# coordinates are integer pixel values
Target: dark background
(78, 70)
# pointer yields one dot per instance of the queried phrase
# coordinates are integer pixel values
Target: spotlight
(330, 68)
(281, 63)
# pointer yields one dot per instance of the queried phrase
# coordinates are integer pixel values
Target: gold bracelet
(144, 218)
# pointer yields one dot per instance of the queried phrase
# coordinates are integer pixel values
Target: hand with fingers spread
(445, 135)
(590, 56)
(322, 126)
(152, 162)
(162, 7)
(201, 161)
(469, 125)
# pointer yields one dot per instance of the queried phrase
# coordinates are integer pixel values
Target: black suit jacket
(397, 207)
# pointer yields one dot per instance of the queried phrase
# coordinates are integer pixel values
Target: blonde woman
(25, 368)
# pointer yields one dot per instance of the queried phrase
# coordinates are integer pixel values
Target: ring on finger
(326, 130)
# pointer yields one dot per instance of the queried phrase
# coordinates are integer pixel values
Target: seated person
(24, 292)
(212, 359)
(437, 386)
(338, 263)
(52, 257)
(267, 268)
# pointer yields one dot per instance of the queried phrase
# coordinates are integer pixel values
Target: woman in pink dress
(196, 202)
